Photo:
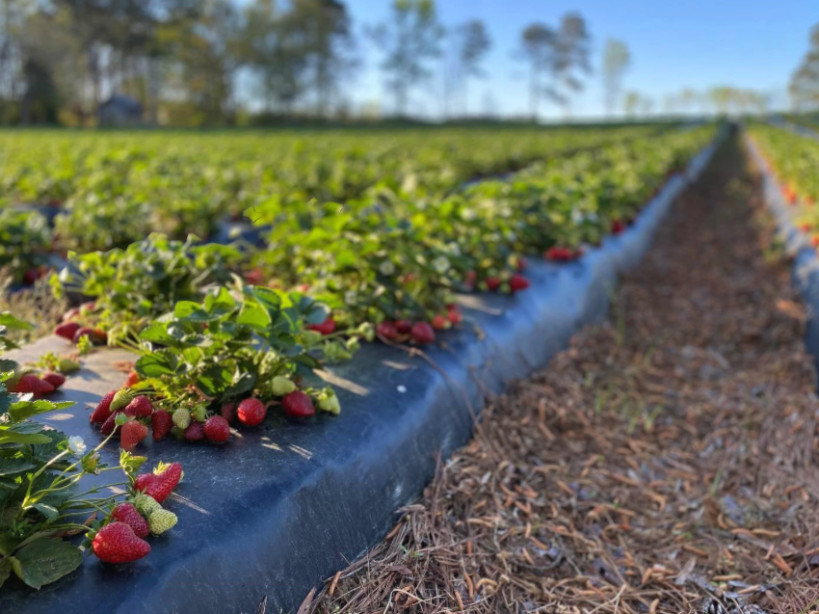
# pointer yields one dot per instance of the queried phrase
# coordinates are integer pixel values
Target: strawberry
(251, 412)
(67, 365)
(298, 405)
(161, 423)
(55, 379)
(31, 383)
(387, 330)
(102, 411)
(131, 434)
(71, 314)
(133, 378)
(282, 385)
(518, 282)
(194, 432)
(217, 429)
(470, 278)
(144, 481)
(67, 330)
(116, 542)
(181, 418)
(146, 504)
(454, 314)
(492, 283)
(254, 277)
(122, 397)
(139, 407)
(31, 275)
(522, 264)
(96, 335)
(440, 322)
(110, 424)
(327, 327)
(161, 482)
(161, 520)
(228, 410)
(617, 227)
(403, 326)
(422, 333)
(127, 513)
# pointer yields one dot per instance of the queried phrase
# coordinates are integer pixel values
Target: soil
(665, 462)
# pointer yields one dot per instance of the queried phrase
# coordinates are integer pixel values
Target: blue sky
(673, 44)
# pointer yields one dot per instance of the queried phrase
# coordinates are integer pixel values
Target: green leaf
(5, 570)
(253, 314)
(156, 333)
(45, 560)
(9, 436)
(48, 511)
(13, 466)
(155, 364)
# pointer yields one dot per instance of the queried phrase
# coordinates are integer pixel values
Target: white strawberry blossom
(76, 445)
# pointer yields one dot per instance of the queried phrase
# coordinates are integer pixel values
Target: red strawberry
(31, 275)
(133, 378)
(470, 278)
(127, 513)
(131, 434)
(217, 429)
(116, 542)
(96, 335)
(815, 240)
(387, 330)
(144, 481)
(492, 283)
(251, 412)
(403, 326)
(31, 383)
(327, 327)
(521, 263)
(422, 333)
(228, 411)
(298, 405)
(440, 322)
(617, 227)
(194, 432)
(102, 411)
(67, 330)
(254, 276)
(55, 379)
(161, 482)
(71, 314)
(140, 407)
(161, 424)
(518, 282)
(805, 227)
(454, 314)
(110, 424)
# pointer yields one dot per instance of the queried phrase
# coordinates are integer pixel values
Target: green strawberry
(182, 418)
(161, 520)
(66, 365)
(146, 504)
(122, 398)
(328, 401)
(282, 385)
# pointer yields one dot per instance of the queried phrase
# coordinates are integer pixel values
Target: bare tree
(804, 84)
(616, 60)
(538, 49)
(409, 40)
(471, 42)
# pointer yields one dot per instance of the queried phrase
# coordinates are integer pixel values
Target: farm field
(223, 340)
(212, 337)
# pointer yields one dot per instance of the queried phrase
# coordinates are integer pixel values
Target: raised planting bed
(798, 242)
(284, 505)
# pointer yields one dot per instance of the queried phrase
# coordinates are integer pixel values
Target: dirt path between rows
(665, 462)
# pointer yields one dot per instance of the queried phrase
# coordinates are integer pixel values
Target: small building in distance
(118, 111)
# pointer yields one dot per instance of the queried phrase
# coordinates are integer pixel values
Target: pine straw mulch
(665, 462)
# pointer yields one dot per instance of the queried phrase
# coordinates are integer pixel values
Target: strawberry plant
(41, 505)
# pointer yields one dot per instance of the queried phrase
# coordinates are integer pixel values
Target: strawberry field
(267, 314)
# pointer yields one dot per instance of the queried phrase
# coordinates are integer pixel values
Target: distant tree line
(194, 62)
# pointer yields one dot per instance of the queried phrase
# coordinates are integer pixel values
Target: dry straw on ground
(665, 462)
